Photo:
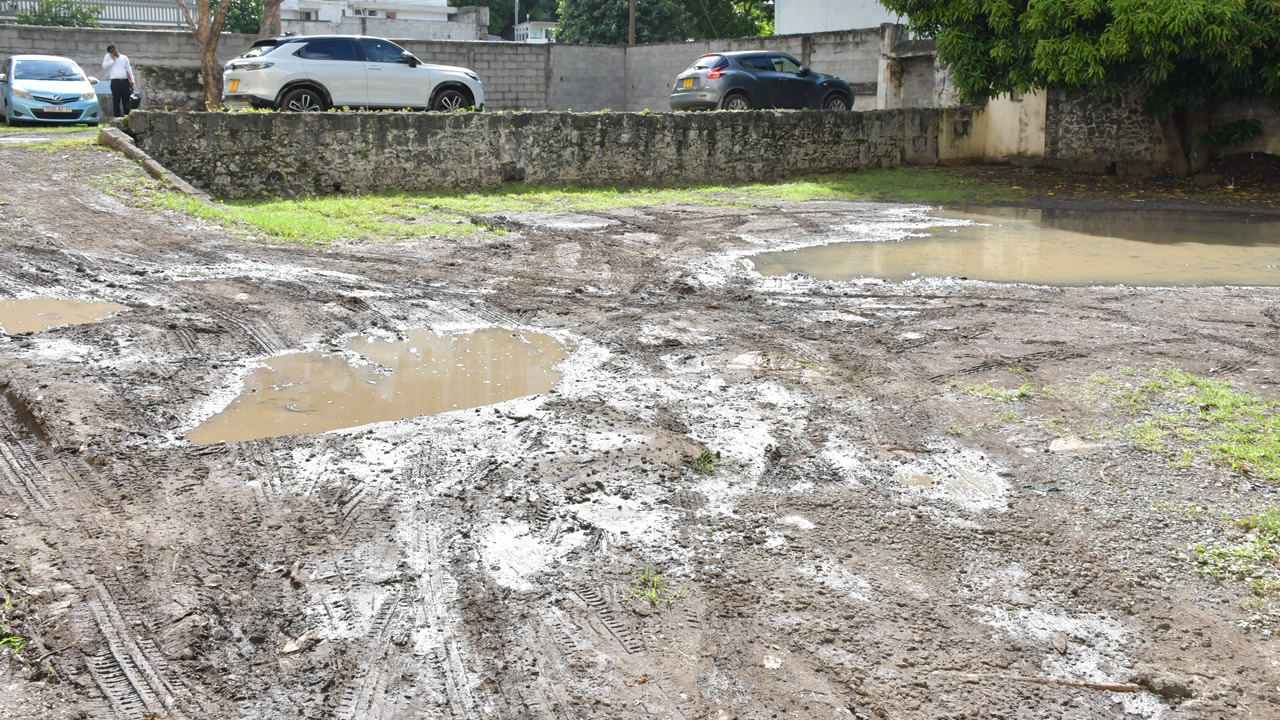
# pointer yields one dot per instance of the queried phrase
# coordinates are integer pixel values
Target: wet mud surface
(838, 552)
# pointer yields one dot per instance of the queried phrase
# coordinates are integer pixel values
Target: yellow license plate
(235, 85)
(688, 82)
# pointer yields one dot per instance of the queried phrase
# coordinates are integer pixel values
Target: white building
(536, 32)
(417, 19)
(792, 17)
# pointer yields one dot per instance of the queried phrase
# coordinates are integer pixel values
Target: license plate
(60, 109)
(688, 82)
(235, 85)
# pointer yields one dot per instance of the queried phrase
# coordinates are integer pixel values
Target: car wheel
(735, 101)
(450, 101)
(836, 102)
(302, 100)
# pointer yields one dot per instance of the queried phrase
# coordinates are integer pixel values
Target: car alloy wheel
(303, 100)
(836, 102)
(450, 101)
(736, 101)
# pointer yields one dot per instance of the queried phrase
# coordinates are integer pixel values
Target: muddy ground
(875, 542)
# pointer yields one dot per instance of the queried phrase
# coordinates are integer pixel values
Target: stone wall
(235, 155)
(1113, 137)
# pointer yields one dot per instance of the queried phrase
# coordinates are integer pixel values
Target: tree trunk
(270, 25)
(1182, 130)
(206, 26)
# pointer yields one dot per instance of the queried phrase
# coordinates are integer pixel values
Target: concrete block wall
(588, 77)
(237, 155)
(652, 69)
(514, 75)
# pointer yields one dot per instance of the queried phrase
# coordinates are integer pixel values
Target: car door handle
(372, 67)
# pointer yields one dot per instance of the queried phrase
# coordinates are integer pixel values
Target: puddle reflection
(41, 313)
(429, 373)
(1060, 247)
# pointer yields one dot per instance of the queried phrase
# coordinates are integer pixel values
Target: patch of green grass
(653, 589)
(808, 364)
(706, 463)
(1254, 559)
(60, 143)
(10, 640)
(393, 216)
(7, 129)
(995, 392)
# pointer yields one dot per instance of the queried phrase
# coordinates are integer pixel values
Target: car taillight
(714, 73)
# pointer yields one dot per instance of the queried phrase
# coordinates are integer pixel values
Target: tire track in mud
(128, 667)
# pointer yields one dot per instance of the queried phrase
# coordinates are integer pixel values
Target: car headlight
(88, 95)
(19, 92)
(252, 66)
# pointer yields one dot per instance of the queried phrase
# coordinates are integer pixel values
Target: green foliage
(1254, 558)
(60, 13)
(607, 22)
(706, 463)
(1179, 53)
(653, 589)
(1236, 133)
(243, 16)
(995, 392)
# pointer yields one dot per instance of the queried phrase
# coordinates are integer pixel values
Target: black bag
(135, 100)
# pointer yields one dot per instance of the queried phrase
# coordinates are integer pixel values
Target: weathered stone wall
(250, 154)
(1087, 135)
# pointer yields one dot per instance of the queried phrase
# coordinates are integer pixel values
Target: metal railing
(112, 13)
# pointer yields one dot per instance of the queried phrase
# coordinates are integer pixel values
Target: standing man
(121, 74)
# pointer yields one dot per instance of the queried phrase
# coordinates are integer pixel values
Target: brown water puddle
(314, 392)
(42, 313)
(1060, 247)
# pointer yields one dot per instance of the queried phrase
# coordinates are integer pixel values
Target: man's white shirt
(119, 67)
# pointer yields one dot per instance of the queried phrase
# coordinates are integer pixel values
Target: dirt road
(872, 541)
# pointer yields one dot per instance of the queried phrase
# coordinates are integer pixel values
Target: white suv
(312, 73)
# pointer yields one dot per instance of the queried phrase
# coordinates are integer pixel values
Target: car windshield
(708, 62)
(46, 70)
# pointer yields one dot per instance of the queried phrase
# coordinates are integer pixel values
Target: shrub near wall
(236, 155)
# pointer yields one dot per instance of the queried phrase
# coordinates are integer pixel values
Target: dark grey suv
(756, 79)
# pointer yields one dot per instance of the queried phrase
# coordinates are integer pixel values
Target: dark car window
(784, 63)
(709, 61)
(756, 63)
(337, 49)
(262, 47)
(381, 51)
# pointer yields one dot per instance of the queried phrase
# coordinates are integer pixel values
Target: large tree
(607, 22)
(1183, 56)
(206, 24)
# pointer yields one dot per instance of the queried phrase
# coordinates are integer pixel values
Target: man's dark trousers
(120, 92)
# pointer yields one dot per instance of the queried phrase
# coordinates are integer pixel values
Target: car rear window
(336, 49)
(262, 47)
(709, 61)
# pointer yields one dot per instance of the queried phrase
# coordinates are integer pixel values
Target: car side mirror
(804, 71)
(408, 57)
(92, 80)
(4, 78)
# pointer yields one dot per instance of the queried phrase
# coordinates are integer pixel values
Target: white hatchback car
(319, 72)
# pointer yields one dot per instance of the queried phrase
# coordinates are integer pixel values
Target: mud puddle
(389, 380)
(1068, 248)
(43, 313)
